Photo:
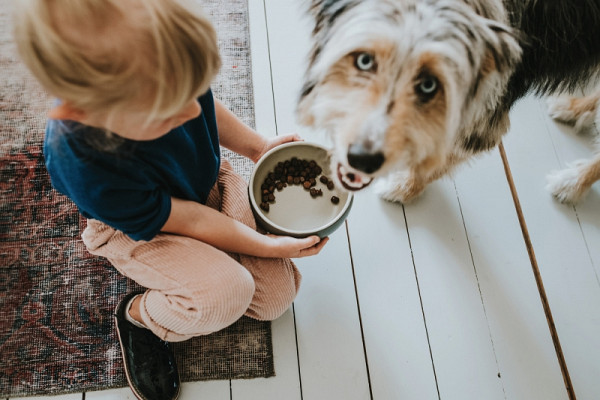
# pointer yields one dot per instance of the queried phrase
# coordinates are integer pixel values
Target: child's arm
(196, 220)
(240, 138)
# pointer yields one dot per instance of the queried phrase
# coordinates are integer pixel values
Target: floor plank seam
(297, 351)
(487, 320)
(270, 68)
(412, 256)
(360, 321)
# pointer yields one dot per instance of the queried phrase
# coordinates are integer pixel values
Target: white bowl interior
(294, 210)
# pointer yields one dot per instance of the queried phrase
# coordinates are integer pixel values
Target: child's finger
(315, 248)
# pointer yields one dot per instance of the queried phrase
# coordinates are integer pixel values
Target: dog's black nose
(364, 160)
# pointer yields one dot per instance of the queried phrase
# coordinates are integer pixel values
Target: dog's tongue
(351, 180)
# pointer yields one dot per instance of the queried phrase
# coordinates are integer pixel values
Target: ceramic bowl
(294, 212)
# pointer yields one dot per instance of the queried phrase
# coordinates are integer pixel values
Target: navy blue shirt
(129, 186)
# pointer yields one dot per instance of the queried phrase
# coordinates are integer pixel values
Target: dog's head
(395, 81)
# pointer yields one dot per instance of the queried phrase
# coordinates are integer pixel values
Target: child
(133, 141)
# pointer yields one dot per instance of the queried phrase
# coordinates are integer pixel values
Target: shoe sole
(131, 386)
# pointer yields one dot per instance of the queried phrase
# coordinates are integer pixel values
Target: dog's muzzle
(362, 161)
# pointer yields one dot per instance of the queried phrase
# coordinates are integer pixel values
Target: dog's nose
(363, 159)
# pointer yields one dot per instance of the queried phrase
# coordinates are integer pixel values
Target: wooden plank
(289, 34)
(331, 357)
(463, 353)
(214, 390)
(332, 361)
(399, 359)
(111, 394)
(561, 245)
(527, 362)
(286, 383)
(261, 69)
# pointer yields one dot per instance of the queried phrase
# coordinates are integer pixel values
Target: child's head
(102, 56)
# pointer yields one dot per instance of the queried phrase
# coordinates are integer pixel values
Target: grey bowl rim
(339, 218)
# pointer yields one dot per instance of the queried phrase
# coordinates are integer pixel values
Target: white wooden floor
(437, 299)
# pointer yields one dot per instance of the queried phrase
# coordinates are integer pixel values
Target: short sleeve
(111, 189)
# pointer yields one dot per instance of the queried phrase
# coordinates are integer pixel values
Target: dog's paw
(398, 188)
(566, 109)
(565, 185)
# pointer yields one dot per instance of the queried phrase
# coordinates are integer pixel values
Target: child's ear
(66, 111)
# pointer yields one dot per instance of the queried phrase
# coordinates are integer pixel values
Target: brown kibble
(316, 192)
(294, 171)
(330, 185)
(335, 199)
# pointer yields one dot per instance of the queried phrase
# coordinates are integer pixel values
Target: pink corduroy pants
(193, 288)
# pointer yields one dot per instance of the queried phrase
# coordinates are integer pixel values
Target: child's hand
(290, 247)
(276, 141)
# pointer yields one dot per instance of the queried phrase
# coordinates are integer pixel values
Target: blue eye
(427, 86)
(365, 61)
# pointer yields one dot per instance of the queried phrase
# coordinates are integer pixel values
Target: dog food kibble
(316, 192)
(294, 171)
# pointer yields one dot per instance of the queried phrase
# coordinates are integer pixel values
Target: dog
(409, 89)
(571, 184)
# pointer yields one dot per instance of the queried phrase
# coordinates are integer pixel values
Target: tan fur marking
(580, 105)
(489, 64)
(590, 174)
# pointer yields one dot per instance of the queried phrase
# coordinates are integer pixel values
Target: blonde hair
(104, 55)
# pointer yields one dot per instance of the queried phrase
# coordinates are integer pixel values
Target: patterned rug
(56, 300)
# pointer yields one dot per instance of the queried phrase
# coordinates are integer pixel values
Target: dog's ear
(326, 12)
(503, 50)
(329, 7)
(303, 110)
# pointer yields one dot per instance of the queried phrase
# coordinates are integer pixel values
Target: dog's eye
(427, 87)
(365, 61)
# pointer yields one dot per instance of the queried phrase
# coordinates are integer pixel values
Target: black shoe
(149, 361)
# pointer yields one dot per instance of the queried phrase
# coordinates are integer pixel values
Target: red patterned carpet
(56, 300)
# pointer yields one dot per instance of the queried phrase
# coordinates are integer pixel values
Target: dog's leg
(577, 111)
(571, 184)
(400, 186)
(405, 186)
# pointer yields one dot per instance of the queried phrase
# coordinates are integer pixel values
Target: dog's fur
(408, 89)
